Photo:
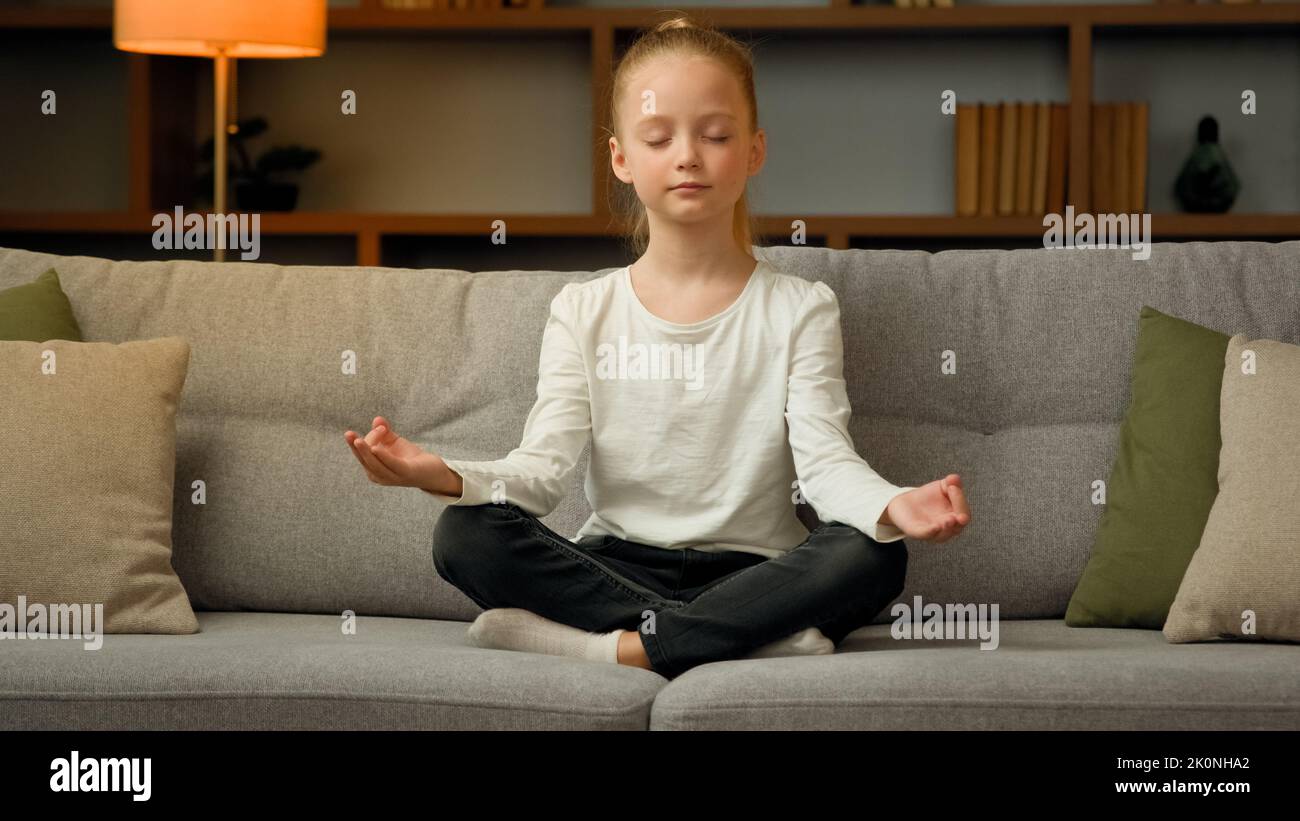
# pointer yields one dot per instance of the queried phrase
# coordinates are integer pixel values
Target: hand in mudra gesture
(392, 460)
(934, 512)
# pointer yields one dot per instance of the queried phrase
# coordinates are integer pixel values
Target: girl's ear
(618, 161)
(757, 151)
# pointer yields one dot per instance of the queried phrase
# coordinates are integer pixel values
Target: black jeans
(690, 606)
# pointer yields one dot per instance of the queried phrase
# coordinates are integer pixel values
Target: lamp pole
(220, 111)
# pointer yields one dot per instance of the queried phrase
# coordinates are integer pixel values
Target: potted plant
(261, 185)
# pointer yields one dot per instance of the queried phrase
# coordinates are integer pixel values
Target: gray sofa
(293, 534)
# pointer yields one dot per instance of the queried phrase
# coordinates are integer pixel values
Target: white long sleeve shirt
(698, 431)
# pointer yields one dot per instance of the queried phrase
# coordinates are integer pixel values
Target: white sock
(809, 642)
(513, 628)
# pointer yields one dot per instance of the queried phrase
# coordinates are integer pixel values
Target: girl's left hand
(935, 512)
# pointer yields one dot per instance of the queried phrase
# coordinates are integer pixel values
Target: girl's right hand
(392, 460)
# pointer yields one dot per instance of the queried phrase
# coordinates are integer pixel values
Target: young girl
(707, 383)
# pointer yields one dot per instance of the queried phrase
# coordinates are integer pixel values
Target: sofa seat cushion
(1043, 675)
(280, 671)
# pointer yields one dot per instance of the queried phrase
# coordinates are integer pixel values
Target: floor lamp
(224, 30)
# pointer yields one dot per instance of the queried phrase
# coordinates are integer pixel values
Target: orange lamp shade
(202, 28)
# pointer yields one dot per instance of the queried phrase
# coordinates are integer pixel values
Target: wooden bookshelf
(158, 169)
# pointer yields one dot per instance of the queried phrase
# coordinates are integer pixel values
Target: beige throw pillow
(86, 478)
(1243, 581)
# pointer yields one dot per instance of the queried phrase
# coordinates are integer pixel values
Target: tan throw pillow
(86, 478)
(1243, 581)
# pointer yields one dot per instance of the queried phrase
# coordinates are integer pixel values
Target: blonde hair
(681, 37)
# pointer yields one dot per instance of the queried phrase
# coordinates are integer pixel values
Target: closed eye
(712, 139)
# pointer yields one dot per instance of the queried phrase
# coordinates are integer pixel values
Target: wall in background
(482, 123)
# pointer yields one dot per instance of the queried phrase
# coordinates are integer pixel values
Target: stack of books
(1119, 157)
(1011, 158)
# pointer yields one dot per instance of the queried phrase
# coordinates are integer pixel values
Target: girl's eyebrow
(656, 117)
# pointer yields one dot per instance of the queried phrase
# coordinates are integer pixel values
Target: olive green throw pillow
(38, 311)
(87, 473)
(1163, 482)
(1244, 580)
